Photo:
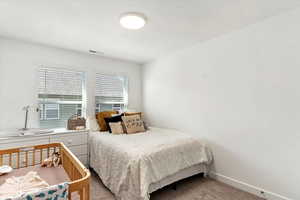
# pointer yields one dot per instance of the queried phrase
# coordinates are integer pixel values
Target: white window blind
(111, 92)
(111, 89)
(59, 85)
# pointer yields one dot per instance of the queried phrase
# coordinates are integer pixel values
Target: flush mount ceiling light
(133, 20)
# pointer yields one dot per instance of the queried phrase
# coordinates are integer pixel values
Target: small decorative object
(76, 121)
(53, 161)
(5, 169)
(26, 109)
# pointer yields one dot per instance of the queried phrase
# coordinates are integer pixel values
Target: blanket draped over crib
(55, 192)
(32, 187)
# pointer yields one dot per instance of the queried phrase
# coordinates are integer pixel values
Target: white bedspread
(128, 164)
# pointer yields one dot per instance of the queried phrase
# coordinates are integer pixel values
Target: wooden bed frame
(34, 155)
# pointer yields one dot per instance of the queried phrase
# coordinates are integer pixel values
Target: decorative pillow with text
(133, 124)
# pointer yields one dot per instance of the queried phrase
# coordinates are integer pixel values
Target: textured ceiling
(94, 24)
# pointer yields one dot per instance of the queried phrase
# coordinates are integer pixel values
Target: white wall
(241, 92)
(19, 62)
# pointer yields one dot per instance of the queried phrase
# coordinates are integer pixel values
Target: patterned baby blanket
(31, 186)
(55, 192)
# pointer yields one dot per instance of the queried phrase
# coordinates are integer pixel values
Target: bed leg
(174, 187)
(87, 192)
(82, 194)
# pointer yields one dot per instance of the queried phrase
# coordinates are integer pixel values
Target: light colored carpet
(194, 188)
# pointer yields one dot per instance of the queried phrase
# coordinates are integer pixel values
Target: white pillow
(92, 124)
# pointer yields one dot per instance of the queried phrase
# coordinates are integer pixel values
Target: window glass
(51, 111)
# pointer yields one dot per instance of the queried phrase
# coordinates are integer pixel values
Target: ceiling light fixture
(133, 20)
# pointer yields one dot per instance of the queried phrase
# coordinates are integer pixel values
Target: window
(79, 110)
(111, 92)
(97, 107)
(117, 107)
(49, 111)
(60, 96)
(42, 114)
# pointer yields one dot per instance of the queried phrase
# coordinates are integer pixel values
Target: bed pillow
(140, 114)
(117, 118)
(133, 124)
(133, 113)
(92, 125)
(100, 118)
(116, 127)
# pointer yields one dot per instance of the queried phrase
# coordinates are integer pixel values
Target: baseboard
(247, 187)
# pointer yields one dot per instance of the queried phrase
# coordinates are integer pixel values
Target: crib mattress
(52, 176)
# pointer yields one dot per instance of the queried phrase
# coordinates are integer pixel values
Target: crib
(30, 158)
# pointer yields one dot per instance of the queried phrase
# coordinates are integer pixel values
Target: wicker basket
(76, 121)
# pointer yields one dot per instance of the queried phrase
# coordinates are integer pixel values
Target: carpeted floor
(194, 188)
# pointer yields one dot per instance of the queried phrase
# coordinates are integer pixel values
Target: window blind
(60, 85)
(111, 89)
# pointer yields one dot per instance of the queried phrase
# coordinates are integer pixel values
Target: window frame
(78, 108)
(97, 107)
(41, 111)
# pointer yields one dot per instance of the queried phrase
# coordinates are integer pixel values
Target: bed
(132, 166)
(28, 159)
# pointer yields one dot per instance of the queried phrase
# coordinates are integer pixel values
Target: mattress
(134, 165)
(52, 176)
(182, 174)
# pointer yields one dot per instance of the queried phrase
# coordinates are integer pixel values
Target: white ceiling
(94, 24)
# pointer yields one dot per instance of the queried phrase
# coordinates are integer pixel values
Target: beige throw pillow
(116, 127)
(133, 124)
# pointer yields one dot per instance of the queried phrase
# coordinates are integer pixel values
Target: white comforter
(128, 164)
